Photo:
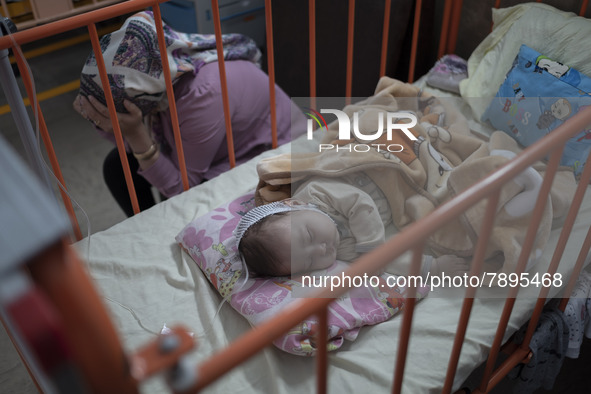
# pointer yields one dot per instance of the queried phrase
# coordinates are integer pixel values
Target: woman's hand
(131, 124)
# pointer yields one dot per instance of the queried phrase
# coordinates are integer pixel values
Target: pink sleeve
(164, 176)
(201, 121)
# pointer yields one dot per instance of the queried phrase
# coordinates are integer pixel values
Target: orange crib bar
(20, 60)
(444, 28)
(96, 46)
(223, 80)
(350, 45)
(475, 270)
(576, 271)
(271, 70)
(521, 264)
(584, 7)
(322, 355)
(415, 40)
(450, 25)
(409, 308)
(312, 50)
(386, 28)
(172, 102)
(455, 25)
(77, 21)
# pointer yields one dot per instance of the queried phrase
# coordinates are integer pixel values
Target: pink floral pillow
(209, 240)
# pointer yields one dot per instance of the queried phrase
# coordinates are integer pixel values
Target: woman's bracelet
(147, 155)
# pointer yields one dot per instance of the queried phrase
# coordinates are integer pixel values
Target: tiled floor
(80, 152)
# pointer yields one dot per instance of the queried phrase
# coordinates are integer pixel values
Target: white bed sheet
(146, 282)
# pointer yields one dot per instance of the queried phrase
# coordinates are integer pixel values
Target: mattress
(148, 283)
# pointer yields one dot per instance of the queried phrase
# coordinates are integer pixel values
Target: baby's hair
(256, 247)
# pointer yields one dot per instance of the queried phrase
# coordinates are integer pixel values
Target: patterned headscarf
(134, 65)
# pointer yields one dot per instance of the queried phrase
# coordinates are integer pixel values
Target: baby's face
(308, 239)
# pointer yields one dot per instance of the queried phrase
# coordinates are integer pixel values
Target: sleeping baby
(326, 219)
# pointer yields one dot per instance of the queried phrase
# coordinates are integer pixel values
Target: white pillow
(562, 36)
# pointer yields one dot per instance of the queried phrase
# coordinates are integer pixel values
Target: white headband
(257, 214)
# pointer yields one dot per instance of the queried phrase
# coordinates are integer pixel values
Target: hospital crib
(70, 311)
